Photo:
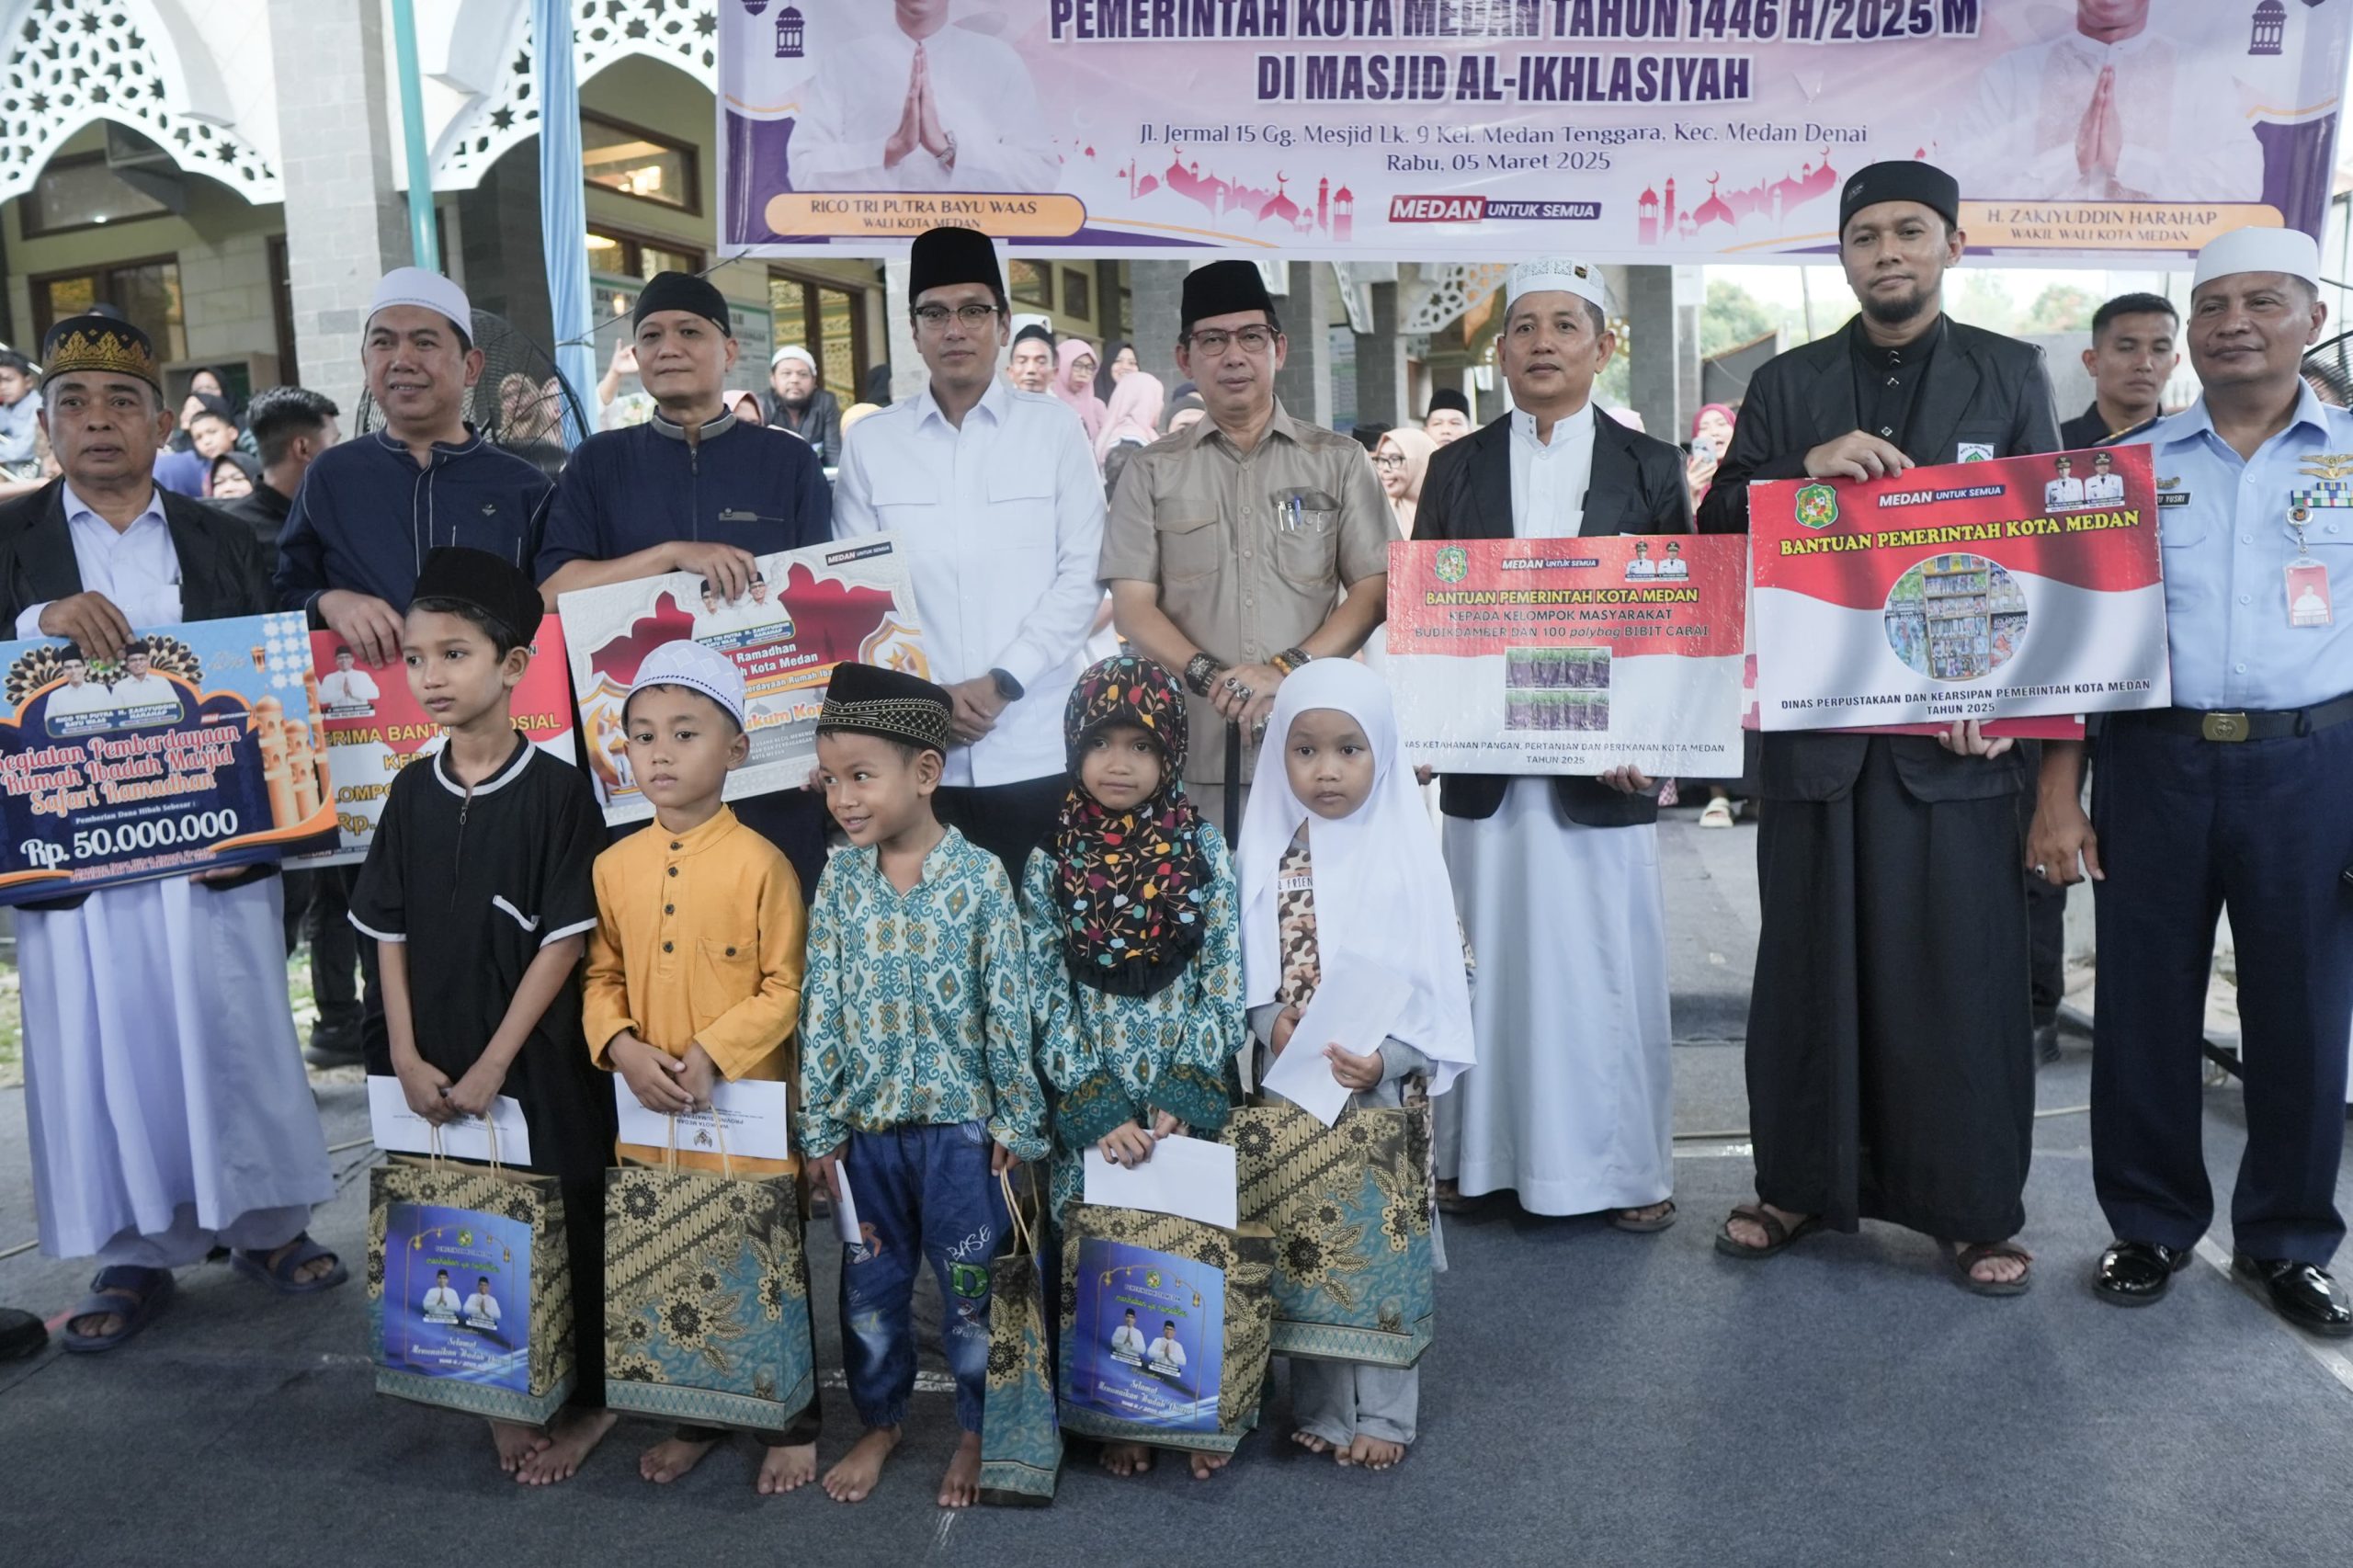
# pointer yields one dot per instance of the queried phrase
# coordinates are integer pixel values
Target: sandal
(1777, 1236)
(1969, 1257)
(255, 1263)
(1619, 1220)
(134, 1294)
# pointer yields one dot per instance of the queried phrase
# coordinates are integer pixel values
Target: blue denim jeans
(922, 1193)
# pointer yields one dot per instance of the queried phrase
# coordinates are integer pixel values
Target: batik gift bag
(1021, 1440)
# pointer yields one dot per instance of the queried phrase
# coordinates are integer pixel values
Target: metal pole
(424, 240)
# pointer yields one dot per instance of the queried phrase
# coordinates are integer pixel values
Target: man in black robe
(1891, 1053)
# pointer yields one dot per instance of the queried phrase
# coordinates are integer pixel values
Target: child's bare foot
(854, 1476)
(516, 1443)
(1311, 1442)
(961, 1487)
(672, 1458)
(1207, 1465)
(787, 1469)
(1371, 1453)
(1126, 1459)
(570, 1441)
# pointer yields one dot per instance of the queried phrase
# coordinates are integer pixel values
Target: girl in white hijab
(1340, 875)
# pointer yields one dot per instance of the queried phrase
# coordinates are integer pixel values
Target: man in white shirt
(1128, 1339)
(2064, 492)
(994, 494)
(1674, 565)
(141, 688)
(350, 690)
(441, 1299)
(481, 1307)
(1165, 1354)
(79, 694)
(967, 119)
(2108, 111)
(1642, 566)
(2105, 483)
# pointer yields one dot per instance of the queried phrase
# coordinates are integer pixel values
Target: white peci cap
(1550, 273)
(2291, 251)
(793, 351)
(415, 285)
(687, 663)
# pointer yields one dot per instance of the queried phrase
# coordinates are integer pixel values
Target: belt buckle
(2225, 727)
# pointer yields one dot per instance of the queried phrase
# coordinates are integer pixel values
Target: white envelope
(1356, 1013)
(845, 1208)
(1188, 1176)
(400, 1130)
(757, 1114)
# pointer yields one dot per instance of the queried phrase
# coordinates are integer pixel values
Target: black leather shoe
(21, 1335)
(2046, 1044)
(335, 1044)
(2136, 1274)
(2301, 1292)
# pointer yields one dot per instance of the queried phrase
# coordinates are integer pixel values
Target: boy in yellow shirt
(694, 966)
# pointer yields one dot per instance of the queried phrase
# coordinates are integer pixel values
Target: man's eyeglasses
(1254, 340)
(972, 318)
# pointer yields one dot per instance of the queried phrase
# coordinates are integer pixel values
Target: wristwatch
(1006, 686)
(1200, 670)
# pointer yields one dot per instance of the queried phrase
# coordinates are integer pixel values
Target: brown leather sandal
(1777, 1236)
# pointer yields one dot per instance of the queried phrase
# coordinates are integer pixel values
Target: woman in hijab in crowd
(1186, 408)
(1403, 460)
(1074, 384)
(234, 477)
(1118, 367)
(746, 407)
(1710, 439)
(1130, 423)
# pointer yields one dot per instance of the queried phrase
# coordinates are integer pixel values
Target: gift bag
(706, 1296)
(1021, 1442)
(1349, 1207)
(1165, 1328)
(468, 1292)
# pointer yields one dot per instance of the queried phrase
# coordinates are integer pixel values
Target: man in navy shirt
(692, 489)
(370, 510)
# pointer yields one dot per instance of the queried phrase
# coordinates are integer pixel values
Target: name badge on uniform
(2171, 493)
(2308, 600)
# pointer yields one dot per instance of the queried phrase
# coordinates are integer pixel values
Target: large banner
(1624, 130)
(374, 728)
(1983, 590)
(806, 611)
(197, 748)
(1569, 655)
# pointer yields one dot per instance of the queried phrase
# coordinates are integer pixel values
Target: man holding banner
(1557, 879)
(163, 1084)
(2234, 799)
(1891, 1053)
(693, 489)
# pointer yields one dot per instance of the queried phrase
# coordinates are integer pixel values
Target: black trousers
(2189, 828)
(318, 912)
(1006, 820)
(1891, 1055)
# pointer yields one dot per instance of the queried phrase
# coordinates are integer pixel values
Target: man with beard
(798, 403)
(1890, 1051)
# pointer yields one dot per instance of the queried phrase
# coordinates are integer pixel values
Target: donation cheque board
(374, 727)
(1569, 655)
(196, 749)
(805, 611)
(2002, 590)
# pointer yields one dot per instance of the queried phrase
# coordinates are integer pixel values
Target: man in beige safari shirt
(1242, 547)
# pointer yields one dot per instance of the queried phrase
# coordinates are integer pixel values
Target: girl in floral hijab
(1131, 923)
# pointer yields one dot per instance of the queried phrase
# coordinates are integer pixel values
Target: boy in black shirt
(478, 892)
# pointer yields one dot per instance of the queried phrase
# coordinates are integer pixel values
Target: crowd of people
(1137, 870)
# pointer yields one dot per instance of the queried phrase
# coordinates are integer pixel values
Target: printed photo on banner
(458, 1295)
(805, 611)
(1150, 1338)
(1570, 655)
(374, 727)
(2020, 588)
(1456, 130)
(197, 748)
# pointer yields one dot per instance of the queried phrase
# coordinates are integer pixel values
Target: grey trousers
(1340, 1401)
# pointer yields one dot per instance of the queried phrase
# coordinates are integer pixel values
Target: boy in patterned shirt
(917, 1086)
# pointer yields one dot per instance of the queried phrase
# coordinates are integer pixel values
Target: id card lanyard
(2309, 602)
